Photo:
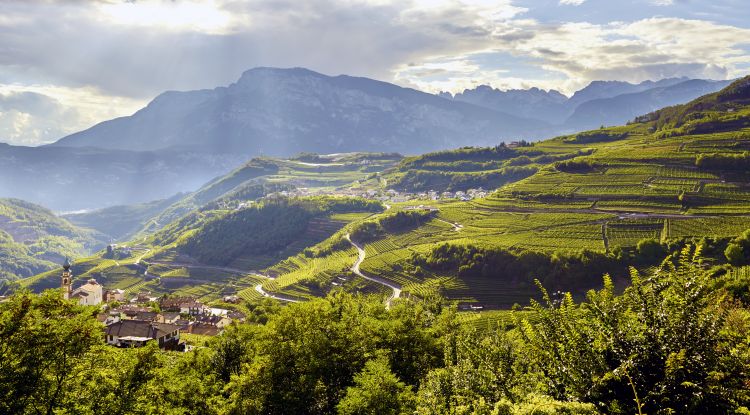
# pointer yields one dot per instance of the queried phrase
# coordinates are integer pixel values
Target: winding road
(396, 288)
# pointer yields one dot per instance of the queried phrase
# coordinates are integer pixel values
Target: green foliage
(500, 264)
(400, 221)
(596, 136)
(661, 344)
(262, 229)
(718, 161)
(738, 249)
(579, 165)
(42, 339)
(650, 249)
(377, 391)
(307, 356)
(423, 180)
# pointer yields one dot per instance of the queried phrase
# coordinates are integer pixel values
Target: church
(90, 293)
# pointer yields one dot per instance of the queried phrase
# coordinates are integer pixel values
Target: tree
(377, 391)
(661, 346)
(42, 339)
(734, 254)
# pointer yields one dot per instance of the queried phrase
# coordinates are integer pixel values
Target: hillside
(33, 240)
(281, 112)
(566, 211)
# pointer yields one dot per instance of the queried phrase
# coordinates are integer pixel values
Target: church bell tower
(67, 277)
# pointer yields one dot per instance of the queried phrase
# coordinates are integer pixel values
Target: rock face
(281, 112)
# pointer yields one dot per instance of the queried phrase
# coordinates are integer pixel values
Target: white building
(90, 293)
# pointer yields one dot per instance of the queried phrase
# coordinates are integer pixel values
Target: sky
(67, 65)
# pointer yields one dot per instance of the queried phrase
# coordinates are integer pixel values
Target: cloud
(39, 115)
(93, 54)
(574, 54)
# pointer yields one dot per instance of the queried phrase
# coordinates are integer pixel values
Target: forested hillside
(33, 240)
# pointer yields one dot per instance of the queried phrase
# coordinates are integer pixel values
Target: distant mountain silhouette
(622, 108)
(600, 102)
(281, 112)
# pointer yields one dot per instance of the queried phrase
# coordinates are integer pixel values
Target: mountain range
(280, 112)
(181, 140)
(599, 103)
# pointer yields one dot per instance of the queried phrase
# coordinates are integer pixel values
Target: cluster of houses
(145, 318)
(388, 196)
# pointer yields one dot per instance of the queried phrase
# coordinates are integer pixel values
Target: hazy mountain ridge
(599, 103)
(68, 179)
(281, 112)
(612, 111)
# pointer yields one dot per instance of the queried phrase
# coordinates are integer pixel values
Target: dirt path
(456, 226)
(264, 293)
(396, 288)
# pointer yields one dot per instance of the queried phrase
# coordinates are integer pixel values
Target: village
(385, 196)
(136, 321)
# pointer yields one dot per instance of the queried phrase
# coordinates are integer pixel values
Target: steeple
(67, 278)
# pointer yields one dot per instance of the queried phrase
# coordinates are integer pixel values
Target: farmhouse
(135, 333)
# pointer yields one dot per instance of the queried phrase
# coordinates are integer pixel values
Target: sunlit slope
(678, 175)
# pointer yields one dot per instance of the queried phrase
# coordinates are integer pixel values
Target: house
(232, 299)
(218, 321)
(130, 310)
(108, 318)
(236, 315)
(168, 317)
(174, 303)
(193, 308)
(136, 333)
(146, 316)
(204, 329)
(114, 295)
(90, 293)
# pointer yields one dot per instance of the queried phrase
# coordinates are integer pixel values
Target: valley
(564, 210)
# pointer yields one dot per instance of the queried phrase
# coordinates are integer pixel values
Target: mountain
(609, 89)
(599, 103)
(529, 103)
(281, 112)
(621, 108)
(34, 240)
(68, 178)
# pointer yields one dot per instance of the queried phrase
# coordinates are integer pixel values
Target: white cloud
(105, 59)
(34, 115)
